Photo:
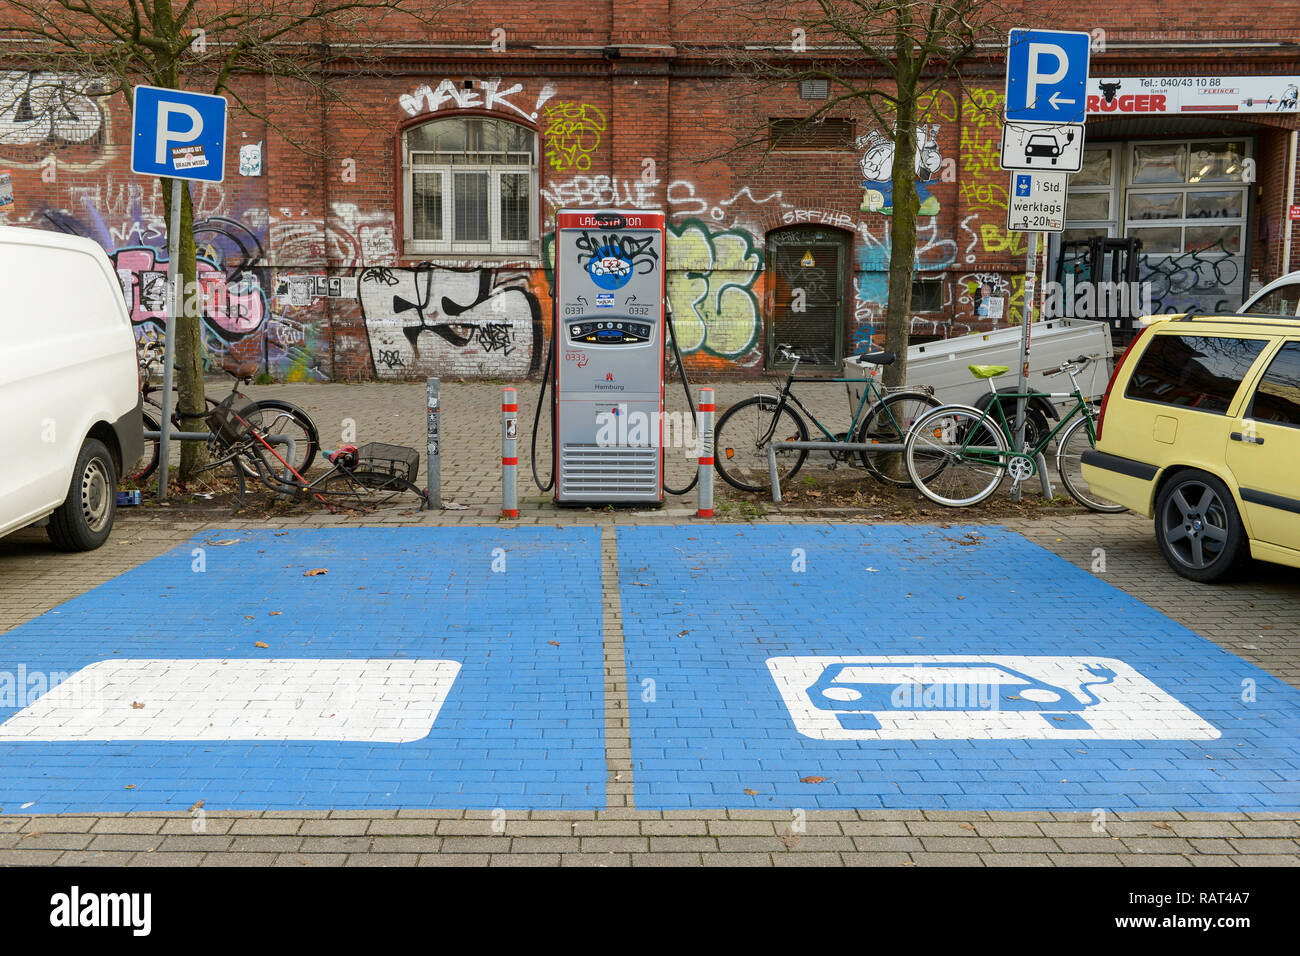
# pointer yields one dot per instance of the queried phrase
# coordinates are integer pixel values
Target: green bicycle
(745, 430)
(957, 455)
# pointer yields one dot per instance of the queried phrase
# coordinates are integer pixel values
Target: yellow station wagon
(1200, 429)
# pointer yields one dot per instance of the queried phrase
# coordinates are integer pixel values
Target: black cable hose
(546, 380)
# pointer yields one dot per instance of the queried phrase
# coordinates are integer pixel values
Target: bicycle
(367, 477)
(957, 455)
(744, 431)
(289, 419)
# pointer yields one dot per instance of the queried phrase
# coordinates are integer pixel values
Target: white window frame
(1185, 187)
(448, 246)
(1111, 225)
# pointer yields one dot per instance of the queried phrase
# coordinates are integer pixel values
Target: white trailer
(943, 365)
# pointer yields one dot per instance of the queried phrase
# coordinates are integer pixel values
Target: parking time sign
(178, 134)
(1047, 76)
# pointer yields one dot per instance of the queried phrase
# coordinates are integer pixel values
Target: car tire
(85, 519)
(1189, 507)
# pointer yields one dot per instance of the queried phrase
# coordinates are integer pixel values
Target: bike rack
(772, 448)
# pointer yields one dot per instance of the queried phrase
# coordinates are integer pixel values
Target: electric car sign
(976, 697)
(609, 269)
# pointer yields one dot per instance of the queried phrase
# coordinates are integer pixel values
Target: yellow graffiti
(997, 240)
(571, 133)
(711, 284)
(937, 106)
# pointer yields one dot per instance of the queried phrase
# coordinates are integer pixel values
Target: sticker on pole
(1036, 202)
(976, 697)
(6, 188)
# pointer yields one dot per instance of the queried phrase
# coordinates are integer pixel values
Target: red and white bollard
(509, 453)
(704, 426)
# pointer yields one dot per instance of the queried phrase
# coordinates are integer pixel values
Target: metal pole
(509, 453)
(704, 427)
(1027, 316)
(169, 338)
(434, 470)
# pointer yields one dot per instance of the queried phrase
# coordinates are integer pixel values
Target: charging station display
(609, 356)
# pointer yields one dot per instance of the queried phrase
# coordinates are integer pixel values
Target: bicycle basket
(224, 420)
(395, 460)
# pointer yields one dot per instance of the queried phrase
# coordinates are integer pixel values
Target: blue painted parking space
(928, 668)
(416, 667)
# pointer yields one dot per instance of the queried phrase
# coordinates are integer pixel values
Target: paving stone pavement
(1255, 620)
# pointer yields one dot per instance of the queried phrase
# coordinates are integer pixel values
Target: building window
(821, 135)
(1187, 197)
(469, 186)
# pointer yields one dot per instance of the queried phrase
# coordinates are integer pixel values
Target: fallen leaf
(276, 613)
(812, 779)
(966, 826)
(682, 633)
(641, 584)
(554, 643)
(316, 571)
(261, 644)
(1163, 826)
(748, 793)
(130, 786)
(227, 541)
(789, 839)
(196, 806)
(137, 705)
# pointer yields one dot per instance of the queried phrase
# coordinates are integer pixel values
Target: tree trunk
(902, 252)
(191, 405)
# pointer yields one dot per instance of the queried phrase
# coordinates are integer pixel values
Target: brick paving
(1255, 620)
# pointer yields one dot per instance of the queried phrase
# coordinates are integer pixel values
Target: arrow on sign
(1056, 100)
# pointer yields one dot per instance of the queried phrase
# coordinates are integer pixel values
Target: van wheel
(1198, 528)
(84, 520)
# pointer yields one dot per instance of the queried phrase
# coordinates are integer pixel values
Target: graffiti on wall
(45, 114)
(877, 163)
(601, 190)
(571, 132)
(474, 94)
(712, 280)
(1209, 279)
(427, 319)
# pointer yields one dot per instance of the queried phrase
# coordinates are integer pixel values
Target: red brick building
(406, 230)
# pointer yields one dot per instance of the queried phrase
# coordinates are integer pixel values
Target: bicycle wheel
(1069, 452)
(285, 418)
(368, 489)
(888, 423)
(738, 455)
(139, 472)
(956, 455)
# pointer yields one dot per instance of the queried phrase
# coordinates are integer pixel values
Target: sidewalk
(625, 620)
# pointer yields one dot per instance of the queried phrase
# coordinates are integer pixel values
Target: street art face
(877, 163)
(428, 319)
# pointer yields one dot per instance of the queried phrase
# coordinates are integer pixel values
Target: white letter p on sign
(1037, 78)
(167, 135)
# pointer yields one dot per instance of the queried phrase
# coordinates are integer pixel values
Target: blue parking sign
(1047, 76)
(178, 134)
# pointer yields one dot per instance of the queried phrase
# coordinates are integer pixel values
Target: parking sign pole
(169, 338)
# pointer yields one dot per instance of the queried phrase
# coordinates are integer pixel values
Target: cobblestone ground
(1256, 620)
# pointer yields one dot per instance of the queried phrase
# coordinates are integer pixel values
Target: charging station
(608, 342)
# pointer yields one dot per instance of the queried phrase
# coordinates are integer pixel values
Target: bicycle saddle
(239, 370)
(876, 358)
(987, 371)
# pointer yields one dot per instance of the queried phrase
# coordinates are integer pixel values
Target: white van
(70, 411)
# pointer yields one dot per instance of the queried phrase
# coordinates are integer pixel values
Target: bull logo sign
(973, 697)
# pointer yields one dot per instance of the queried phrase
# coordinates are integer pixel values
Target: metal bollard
(509, 453)
(434, 471)
(704, 487)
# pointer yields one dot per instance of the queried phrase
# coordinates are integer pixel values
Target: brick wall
(318, 282)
